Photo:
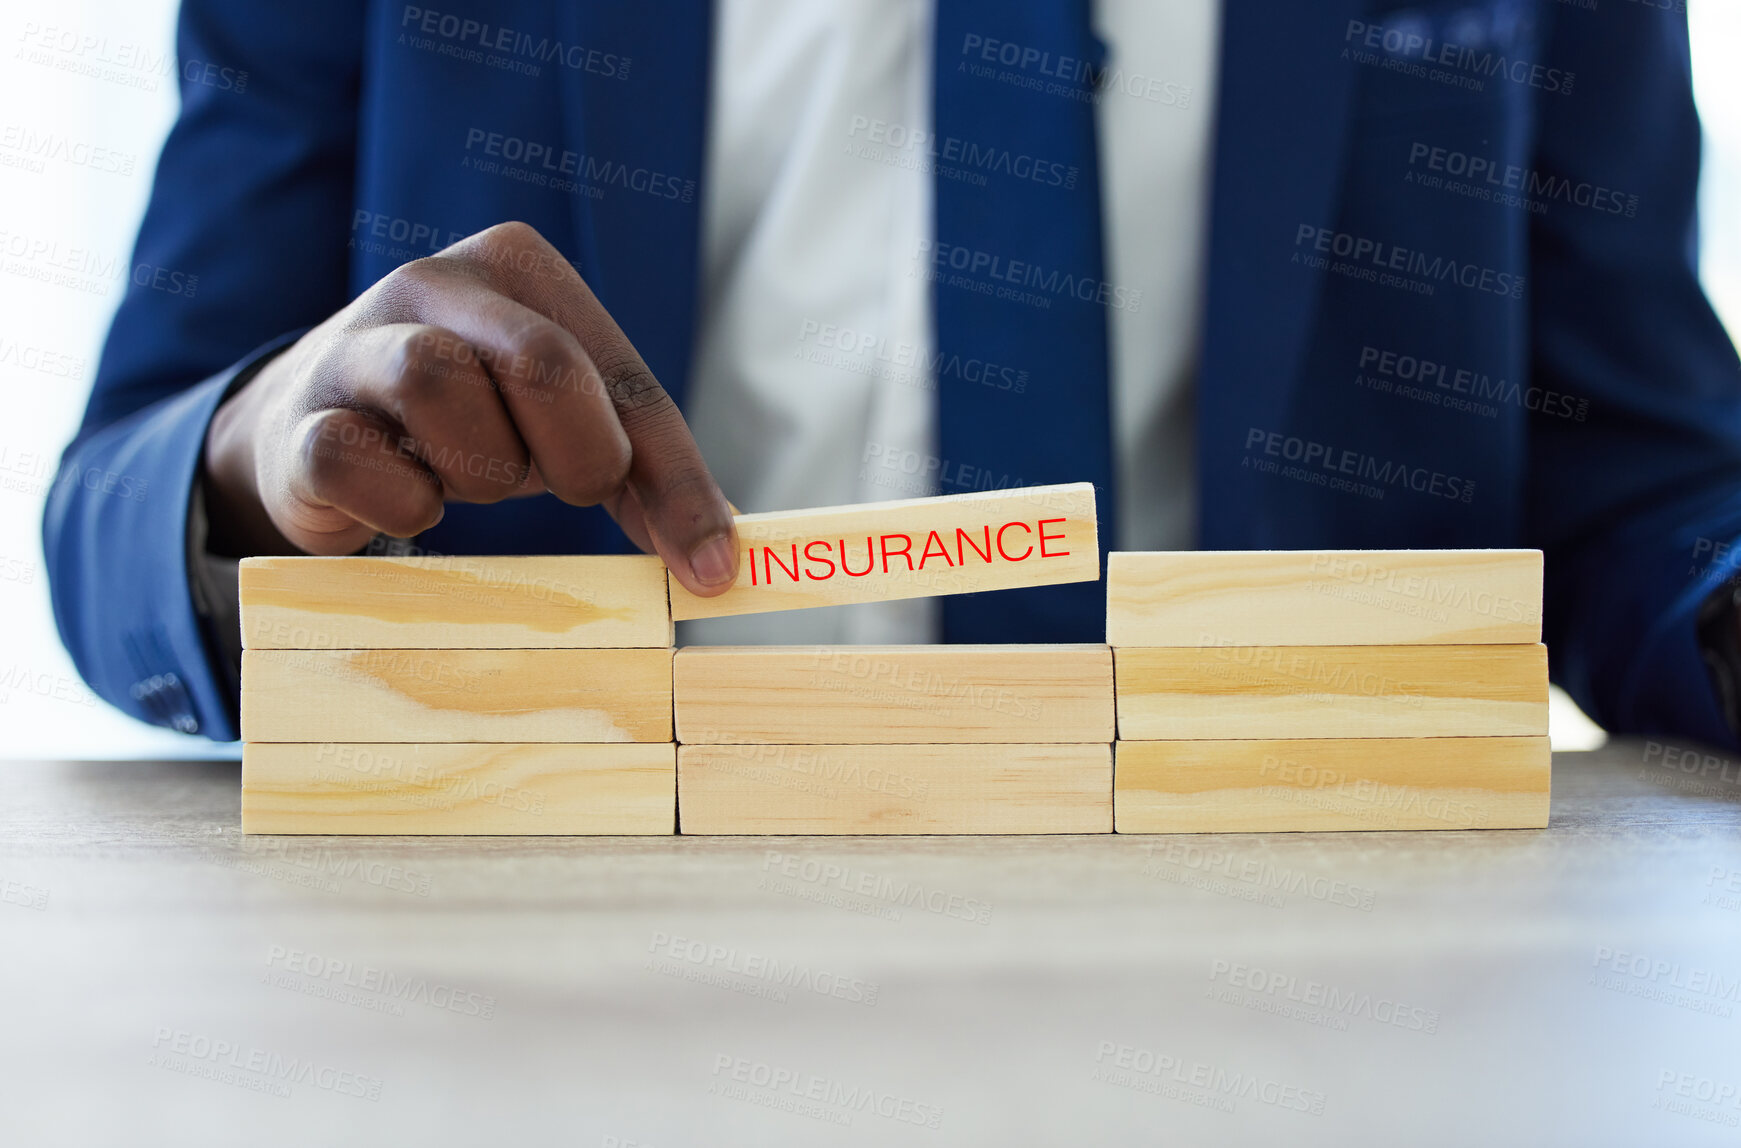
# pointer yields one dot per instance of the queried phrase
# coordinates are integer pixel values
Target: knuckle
(418, 274)
(466, 489)
(412, 361)
(484, 475)
(615, 463)
(343, 452)
(407, 518)
(512, 233)
(632, 387)
(327, 450)
(505, 254)
(404, 291)
(544, 345)
(516, 251)
(417, 377)
(540, 358)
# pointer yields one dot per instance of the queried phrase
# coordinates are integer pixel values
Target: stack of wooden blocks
(1291, 690)
(899, 739)
(457, 695)
(895, 739)
(1250, 691)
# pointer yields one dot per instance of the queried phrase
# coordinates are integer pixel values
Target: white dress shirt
(809, 386)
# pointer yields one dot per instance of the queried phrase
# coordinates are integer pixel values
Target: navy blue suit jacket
(1502, 190)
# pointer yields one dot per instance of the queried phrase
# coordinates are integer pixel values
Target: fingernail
(714, 561)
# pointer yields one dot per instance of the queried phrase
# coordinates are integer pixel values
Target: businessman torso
(1448, 303)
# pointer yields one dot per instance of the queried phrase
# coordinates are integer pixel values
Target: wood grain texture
(458, 602)
(1331, 784)
(907, 548)
(1323, 597)
(456, 695)
(888, 694)
(951, 789)
(523, 789)
(1332, 691)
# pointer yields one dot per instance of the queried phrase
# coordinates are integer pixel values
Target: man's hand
(486, 371)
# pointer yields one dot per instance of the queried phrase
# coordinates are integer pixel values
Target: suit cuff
(213, 580)
(123, 582)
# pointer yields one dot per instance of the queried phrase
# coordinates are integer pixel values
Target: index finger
(686, 516)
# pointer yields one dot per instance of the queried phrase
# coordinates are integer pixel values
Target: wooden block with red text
(908, 548)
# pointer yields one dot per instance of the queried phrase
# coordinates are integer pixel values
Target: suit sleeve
(1632, 502)
(243, 243)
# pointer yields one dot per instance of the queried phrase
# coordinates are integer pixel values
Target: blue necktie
(1018, 283)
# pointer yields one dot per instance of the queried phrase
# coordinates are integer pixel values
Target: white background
(80, 207)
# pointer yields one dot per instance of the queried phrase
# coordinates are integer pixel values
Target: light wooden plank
(1331, 784)
(888, 694)
(1323, 597)
(907, 548)
(523, 789)
(456, 695)
(456, 602)
(830, 789)
(1331, 691)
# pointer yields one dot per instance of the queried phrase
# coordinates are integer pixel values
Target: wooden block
(456, 695)
(1331, 783)
(1332, 691)
(533, 789)
(908, 548)
(886, 694)
(829, 789)
(1324, 597)
(457, 602)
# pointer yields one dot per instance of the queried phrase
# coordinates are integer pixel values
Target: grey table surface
(167, 980)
